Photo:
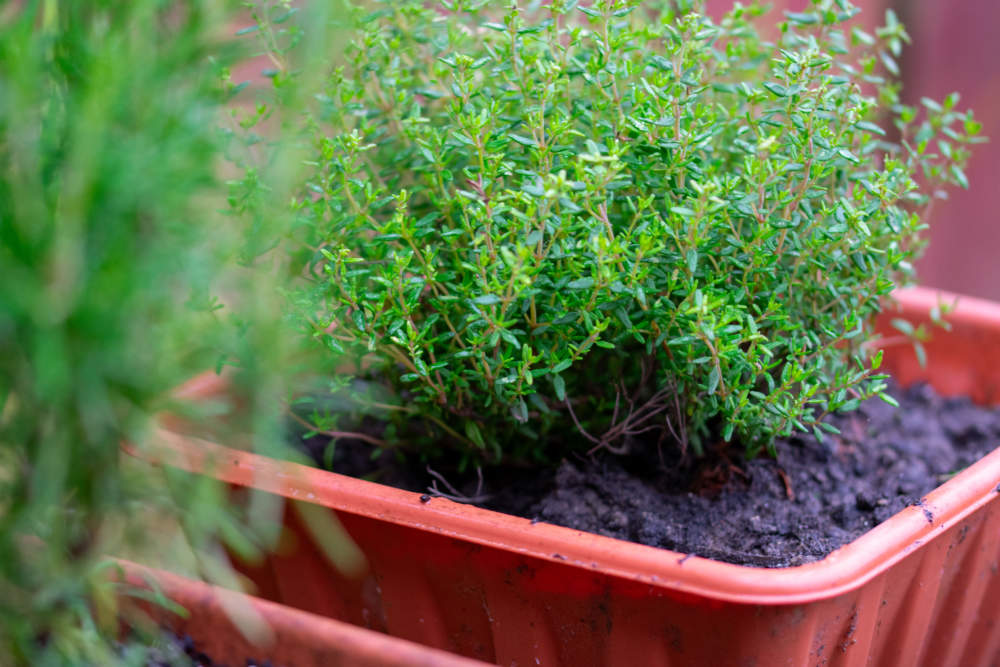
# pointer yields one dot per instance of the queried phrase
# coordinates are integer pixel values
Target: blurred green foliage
(113, 253)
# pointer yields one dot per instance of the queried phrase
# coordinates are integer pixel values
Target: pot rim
(298, 636)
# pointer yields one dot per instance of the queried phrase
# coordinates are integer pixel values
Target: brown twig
(455, 495)
(636, 420)
(339, 434)
(787, 481)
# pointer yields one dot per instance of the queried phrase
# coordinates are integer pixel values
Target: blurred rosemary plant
(112, 246)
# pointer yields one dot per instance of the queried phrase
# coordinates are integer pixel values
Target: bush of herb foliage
(577, 224)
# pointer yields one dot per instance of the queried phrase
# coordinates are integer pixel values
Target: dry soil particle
(813, 499)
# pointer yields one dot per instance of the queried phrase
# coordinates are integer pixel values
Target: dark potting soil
(766, 512)
(174, 651)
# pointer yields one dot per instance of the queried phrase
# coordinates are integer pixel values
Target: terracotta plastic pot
(285, 636)
(920, 589)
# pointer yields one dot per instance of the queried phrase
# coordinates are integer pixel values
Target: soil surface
(812, 499)
(174, 651)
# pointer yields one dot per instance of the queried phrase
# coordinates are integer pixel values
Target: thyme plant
(569, 226)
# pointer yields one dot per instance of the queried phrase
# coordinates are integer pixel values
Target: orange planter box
(910, 592)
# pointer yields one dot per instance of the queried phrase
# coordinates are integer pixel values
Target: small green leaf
(848, 155)
(727, 431)
(474, 434)
(559, 384)
(802, 18)
(959, 176)
(524, 141)
(358, 317)
(328, 453)
(903, 326)
(510, 338)
(850, 405)
(888, 399)
(561, 366)
(870, 127)
(713, 380)
(776, 88)
(889, 62)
